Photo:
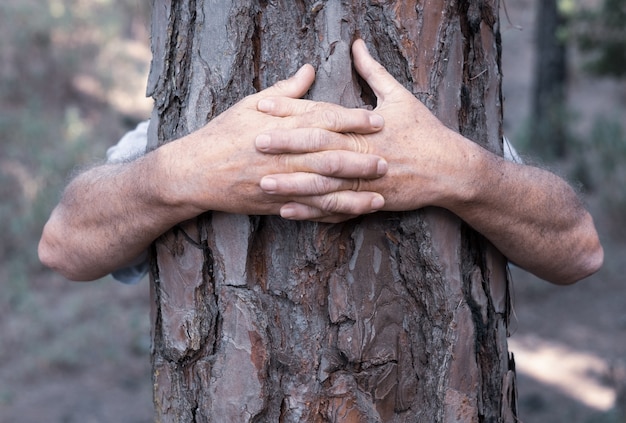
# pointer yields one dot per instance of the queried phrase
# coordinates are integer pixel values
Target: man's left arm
(531, 215)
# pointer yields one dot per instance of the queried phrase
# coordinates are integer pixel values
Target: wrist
(165, 187)
(465, 182)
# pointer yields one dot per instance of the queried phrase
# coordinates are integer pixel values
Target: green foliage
(602, 34)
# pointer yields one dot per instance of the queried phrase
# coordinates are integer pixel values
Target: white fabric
(509, 152)
(132, 145)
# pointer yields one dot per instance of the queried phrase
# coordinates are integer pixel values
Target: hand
(219, 168)
(426, 159)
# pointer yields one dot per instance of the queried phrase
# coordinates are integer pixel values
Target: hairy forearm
(107, 216)
(533, 217)
(110, 214)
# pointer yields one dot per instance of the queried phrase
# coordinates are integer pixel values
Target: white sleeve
(509, 152)
(134, 272)
(131, 146)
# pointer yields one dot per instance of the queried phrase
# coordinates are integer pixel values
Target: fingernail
(367, 50)
(263, 141)
(378, 202)
(287, 212)
(377, 121)
(300, 71)
(268, 184)
(382, 167)
(265, 105)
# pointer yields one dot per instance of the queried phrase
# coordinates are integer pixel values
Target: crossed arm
(278, 154)
(110, 214)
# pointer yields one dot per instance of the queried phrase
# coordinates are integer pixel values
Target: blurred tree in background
(548, 135)
(602, 34)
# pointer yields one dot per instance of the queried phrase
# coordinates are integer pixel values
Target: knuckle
(330, 203)
(330, 119)
(322, 185)
(333, 164)
(336, 218)
(281, 84)
(283, 162)
(358, 143)
(317, 139)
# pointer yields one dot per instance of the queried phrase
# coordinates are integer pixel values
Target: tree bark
(391, 317)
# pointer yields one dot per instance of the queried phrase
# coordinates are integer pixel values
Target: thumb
(376, 76)
(294, 87)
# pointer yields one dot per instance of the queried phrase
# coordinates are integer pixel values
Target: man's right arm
(110, 214)
(107, 217)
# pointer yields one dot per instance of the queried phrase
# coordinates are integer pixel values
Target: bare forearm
(534, 218)
(107, 216)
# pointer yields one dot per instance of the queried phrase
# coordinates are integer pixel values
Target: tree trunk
(391, 317)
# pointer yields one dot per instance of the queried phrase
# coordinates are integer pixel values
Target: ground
(81, 352)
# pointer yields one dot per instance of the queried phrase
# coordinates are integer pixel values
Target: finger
(334, 218)
(313, 114)
(304, 184)
(308, 140)
(376, 76)
(338, 203)
(297, 211)
(294, 87)
(338, 163)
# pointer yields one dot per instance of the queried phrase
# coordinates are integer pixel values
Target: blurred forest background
(72, 82)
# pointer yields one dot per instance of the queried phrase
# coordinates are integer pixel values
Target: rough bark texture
(392, 317)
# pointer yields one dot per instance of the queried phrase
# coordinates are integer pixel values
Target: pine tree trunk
(391, 317)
